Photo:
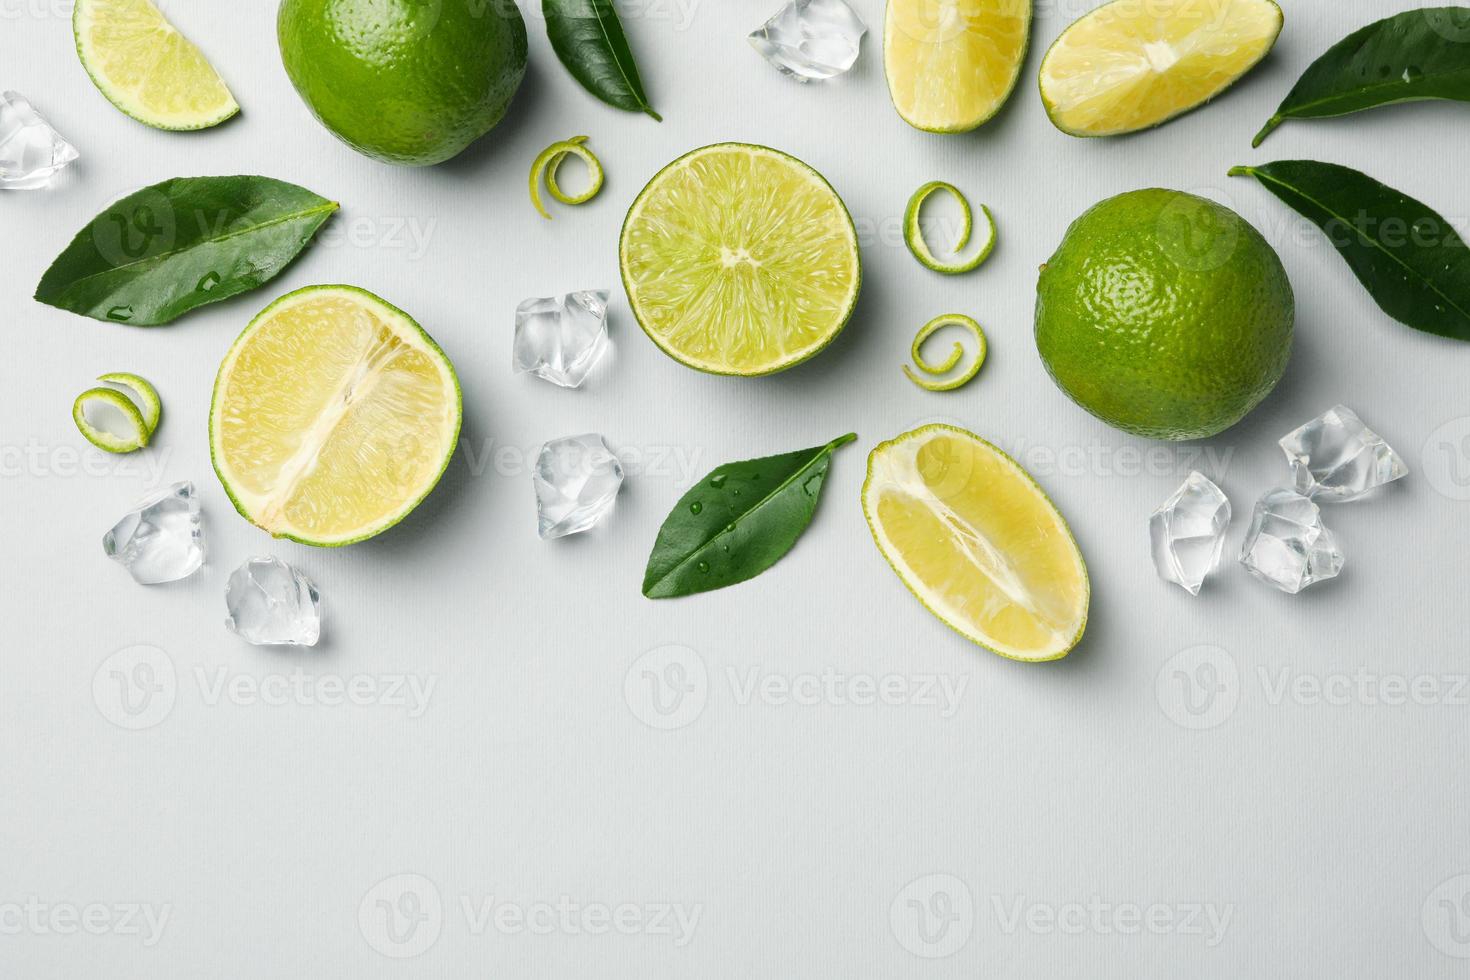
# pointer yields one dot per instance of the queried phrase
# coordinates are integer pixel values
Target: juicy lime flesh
(332, 417)
(951, 64)
(977, 542)
(740, 260)
(1165, 315)
(405, 81)
(147, 68)
(1132, 64)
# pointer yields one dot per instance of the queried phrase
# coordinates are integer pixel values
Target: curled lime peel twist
(936, 369)
(101, 438)
(545, 167)
(913, 233)
(150, 406)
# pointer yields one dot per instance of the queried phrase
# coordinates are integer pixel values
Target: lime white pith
(977, 542)
(740, 260)
(1133, 64)
(334, 414)
(147, 68)
(951, 64)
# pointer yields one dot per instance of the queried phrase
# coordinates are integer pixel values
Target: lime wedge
(109, 421)
(977, 542)
(150, 406)
(334, 415)
(951, 64)
(1133, 64)
(740, 260)
(147, 68)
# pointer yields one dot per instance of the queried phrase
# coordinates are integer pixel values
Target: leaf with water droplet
(1409, 57)
(1410, 259)
(709, 541)
(167, 249)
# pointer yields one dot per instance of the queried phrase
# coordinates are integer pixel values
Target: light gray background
(798, 828)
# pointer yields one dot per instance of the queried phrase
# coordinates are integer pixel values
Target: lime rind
(422, 336)
(940, 368)
(101, 438)
(913, 231)
(143, 393)
(128, 102)
(715, 366)
(890, 553)
(545, 166)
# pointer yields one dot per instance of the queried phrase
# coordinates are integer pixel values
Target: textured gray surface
(778, 807)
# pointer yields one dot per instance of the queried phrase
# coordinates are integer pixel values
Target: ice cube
(1287, 545)
(560, 338)
(31, 152)
(273, 604)
(162, 538)
(577, 481)
(1336, 457)
(811, 40)
(1188, 532)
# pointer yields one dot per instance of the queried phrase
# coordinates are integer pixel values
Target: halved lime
(147, 68)
(977, 542)
(1132, 64)
(951, 64)
(740, 259)
(334, 414)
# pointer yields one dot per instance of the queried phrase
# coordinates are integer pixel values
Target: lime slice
(913, 232)
(1132, 64)
(334, 414)
(144, 395)
(941, 368)
(147, 68)
(977, 542)
(741, 260)
(951, 64)
(108, 420)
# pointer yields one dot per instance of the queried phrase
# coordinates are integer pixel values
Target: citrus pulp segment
(740, 260)
(147, 68)
(1133, 64)
(977, 542)
(334, 414)
(951, 64)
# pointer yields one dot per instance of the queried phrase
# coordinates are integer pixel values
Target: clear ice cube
(561, 338)
(1287, 545)
(162, 538)
(31, 152)
(1188, 532)
(273, 604)
(577, 482)
(811, 40)
(1336, 457)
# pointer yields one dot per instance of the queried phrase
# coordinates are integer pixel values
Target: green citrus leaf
(1416, 55)
(588, 38)
(737, 521)
(162, 251)
(1414, 265)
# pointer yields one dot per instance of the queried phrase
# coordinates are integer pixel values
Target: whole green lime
(411, 82)
(1165, 315)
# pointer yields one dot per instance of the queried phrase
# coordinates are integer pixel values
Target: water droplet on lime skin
(120, 313)
(718, 480)
(703, 566)
(696, 507)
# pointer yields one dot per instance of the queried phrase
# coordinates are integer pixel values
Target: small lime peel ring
(551, 158)
(142, 412)
(913, 234)
(937, 369)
